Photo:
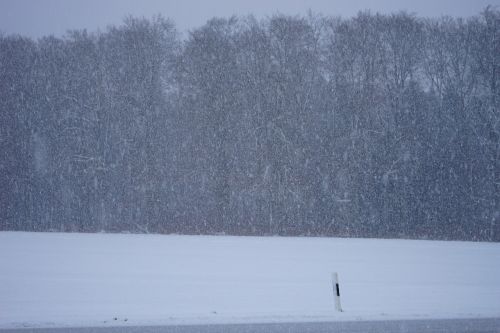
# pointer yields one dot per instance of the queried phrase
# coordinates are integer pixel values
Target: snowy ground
(61, 280)
(469, 325)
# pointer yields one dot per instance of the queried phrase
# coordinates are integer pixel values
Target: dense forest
(371, 126)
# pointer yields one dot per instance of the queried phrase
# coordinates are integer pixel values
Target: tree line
(370, 126)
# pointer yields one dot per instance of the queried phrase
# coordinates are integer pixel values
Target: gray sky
(37, 18)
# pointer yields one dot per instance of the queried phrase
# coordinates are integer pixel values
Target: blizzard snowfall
(56, 279)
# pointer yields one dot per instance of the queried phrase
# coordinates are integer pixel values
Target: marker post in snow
(336, 291)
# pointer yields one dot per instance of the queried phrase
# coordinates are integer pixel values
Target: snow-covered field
(55, 279)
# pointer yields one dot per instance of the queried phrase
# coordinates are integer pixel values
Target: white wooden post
(336, 291)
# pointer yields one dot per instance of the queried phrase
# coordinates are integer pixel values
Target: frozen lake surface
(96, 280)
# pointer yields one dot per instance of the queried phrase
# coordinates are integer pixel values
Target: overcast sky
(37, 18)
